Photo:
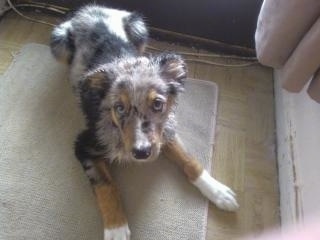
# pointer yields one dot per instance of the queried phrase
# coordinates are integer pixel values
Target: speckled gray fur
(103, 49)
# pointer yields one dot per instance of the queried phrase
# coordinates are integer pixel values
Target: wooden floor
(244, 155)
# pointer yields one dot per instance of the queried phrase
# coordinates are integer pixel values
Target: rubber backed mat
(44, 193)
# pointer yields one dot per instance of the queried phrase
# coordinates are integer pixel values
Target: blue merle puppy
(128, 101)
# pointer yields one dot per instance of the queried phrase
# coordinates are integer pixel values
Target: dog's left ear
(173, 70)
(98, 79)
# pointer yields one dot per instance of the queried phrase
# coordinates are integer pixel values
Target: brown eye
(119, 109)
(157, 105)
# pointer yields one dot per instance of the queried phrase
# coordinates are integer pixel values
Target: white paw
(120, 233)
(221, 195)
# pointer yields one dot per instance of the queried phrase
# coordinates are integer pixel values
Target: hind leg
(107, 194)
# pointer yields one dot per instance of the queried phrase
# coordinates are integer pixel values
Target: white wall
(298, 136)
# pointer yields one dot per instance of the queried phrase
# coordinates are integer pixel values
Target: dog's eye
(157, 105)
(120, 109)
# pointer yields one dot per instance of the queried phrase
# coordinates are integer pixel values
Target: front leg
(114, 219)
(88, 152)
(222, 196)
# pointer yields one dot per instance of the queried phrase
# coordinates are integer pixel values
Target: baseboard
(290, 199)
(198, 42)
(298, 136)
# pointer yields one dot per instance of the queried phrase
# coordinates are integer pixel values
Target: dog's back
(96, 35)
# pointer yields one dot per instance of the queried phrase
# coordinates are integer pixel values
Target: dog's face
(140, 96)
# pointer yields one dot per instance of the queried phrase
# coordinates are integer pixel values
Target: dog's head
(139, 96)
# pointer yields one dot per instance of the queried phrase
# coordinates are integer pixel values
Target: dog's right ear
(173, 70)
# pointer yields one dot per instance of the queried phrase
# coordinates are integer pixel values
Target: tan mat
(44, 193)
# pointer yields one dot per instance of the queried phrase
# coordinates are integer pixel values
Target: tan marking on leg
(108, 199)
(175, 152)
(193, 169)
(102, 170)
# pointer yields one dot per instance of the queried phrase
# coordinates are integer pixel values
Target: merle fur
(86, 46)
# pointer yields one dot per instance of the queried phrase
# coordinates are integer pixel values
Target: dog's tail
(136, 30)
(62, 43)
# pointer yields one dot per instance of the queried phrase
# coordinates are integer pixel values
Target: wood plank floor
(244, 154)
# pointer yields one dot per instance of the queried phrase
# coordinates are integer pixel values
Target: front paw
(221, 195)
(119, 233)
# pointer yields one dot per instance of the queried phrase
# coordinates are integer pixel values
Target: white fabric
(44, 193)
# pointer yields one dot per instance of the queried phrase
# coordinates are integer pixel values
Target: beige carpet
(43, 192)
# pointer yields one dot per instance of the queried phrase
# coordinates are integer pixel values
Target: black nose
(141, 153)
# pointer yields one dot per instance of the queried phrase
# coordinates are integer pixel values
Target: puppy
(128, 101)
